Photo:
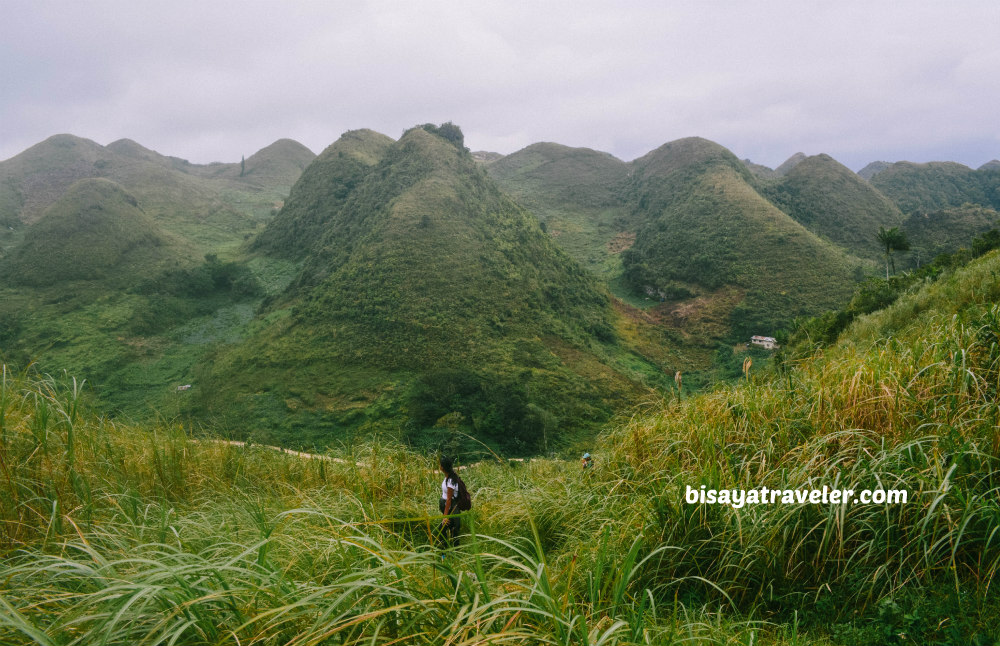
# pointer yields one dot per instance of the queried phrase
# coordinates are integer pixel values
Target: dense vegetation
(94, 231)
(938, 185)
(103, 268)
(427, 300)
(946, 231)
(399, 292)
(811, 333)
(834, 203)
(578, 194)
(319, 194)
(704, 229)
(121, 535)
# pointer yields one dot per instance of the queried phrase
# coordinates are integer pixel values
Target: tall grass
(111, 534)
(147, 536)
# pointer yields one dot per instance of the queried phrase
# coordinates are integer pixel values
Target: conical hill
(316, 199)
(576, 192)
(704, 229)
(211, 205)
(835, 203)
(95, 231)
(428, 302)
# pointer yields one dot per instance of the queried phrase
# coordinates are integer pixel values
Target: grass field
(112, 534)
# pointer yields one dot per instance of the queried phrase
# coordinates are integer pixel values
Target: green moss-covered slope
(576, 192)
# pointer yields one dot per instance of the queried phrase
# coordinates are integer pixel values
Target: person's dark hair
(446, 466)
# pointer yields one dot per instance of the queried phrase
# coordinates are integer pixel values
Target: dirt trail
(316, 456)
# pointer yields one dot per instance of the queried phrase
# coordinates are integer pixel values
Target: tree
(893, 240)
(243, 165)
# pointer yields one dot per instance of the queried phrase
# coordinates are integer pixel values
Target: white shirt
(445, 485)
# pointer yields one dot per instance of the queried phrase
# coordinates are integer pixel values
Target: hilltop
(427, 300)
(693, 236)
(789, 164)
(211, 205)
(835, 203)
(95, 230)
(576, 192)
(873, 169)
(321, 192)
(704, 230)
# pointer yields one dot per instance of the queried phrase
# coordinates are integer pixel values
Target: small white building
(766, 342)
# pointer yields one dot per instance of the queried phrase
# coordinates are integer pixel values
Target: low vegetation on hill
(427, 300)
(946, 231)
(934, 186)
(95, 231)
(121, 535)
(704, 228)
(834, 203)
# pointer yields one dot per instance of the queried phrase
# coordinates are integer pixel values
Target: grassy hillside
(96, 230)
(429, 302)
(576, 192)
(706, 231)
(790, 163)
(946, 231)
(210, 205)
(127, 534)
(320, 194)
(124, 266)
(835, 204)
(872, 169)
(761, 171)
(937, 185)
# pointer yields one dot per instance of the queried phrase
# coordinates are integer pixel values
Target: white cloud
(211, 81)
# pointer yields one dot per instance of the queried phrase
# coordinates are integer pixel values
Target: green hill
(937, 185)
(834, 203)
(320, 194)
(576, 192)
(706, 231)
(946, 230)
(548, 177)
(894, 428)
(277, 165)
(428, 301)
(96, 230)
(210, 205)
(789, 164)
(872, 169)
(761, 171)
(34, 179)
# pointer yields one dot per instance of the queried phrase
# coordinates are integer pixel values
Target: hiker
(451, 488)
(586, 461)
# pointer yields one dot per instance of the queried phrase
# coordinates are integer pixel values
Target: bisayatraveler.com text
(737, 498)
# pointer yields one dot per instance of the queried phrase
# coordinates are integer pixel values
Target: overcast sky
(211, 81)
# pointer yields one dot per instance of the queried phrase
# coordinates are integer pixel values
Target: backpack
(464, 499)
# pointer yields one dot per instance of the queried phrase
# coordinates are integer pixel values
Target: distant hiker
(586, 461)
(454, 500)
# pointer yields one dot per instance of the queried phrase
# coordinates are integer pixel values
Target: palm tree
(893, 240)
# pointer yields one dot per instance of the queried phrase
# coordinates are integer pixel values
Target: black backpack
(464, 501)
